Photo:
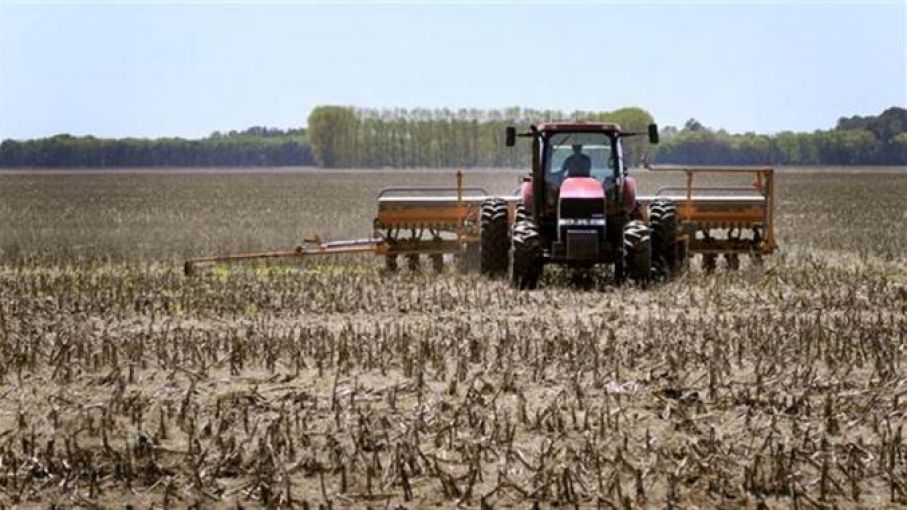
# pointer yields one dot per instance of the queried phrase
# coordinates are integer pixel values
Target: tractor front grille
(582, 208)
(582, 244)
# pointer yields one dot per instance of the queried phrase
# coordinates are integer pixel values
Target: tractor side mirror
(511, 136)
(653, 134)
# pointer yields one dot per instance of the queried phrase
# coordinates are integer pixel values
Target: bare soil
(329, 383)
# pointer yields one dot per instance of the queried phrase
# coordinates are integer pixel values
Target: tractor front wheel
(638, 251)
(494, 238)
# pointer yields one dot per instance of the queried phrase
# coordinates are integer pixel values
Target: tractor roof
(579, 126)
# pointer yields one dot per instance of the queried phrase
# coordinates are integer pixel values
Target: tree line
(341, 136)
(362, 138)
(350, 137)
(871, 140)
(256, 146)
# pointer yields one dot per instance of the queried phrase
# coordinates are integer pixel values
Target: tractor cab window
(576, 155)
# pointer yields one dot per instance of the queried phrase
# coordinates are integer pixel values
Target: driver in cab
(577, 164)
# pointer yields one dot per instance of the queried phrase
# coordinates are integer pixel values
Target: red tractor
(579, 208)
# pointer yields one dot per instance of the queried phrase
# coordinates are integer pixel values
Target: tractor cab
(578, 193)
(578, 151)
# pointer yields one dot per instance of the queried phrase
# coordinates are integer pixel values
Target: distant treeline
(871, 140)
(358, 138)
(341, 136)
(349, 137)
(256, 146)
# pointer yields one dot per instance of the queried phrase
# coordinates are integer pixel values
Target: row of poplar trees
(348, 137)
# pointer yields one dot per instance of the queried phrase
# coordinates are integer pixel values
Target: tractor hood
(582, 187)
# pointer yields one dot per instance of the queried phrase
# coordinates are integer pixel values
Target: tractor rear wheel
(494, 238)
(663, 222)
(527, 264)
(638, 251)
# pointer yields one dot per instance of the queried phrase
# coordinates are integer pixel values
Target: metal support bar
(459, 190)
(358, 246)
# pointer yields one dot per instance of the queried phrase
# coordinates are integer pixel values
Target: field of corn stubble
(327, 384)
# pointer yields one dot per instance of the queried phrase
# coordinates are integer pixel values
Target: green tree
(331, 133)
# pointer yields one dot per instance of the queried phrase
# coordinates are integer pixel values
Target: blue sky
(159, 69)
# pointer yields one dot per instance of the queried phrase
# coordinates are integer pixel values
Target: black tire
(733, 261)
(615, 234)
(663, 223)
(494, 238)
(527, 264)
(638, 251)
(709, 262)
(520, 214)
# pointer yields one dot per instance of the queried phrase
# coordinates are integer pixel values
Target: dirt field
(330, 384)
